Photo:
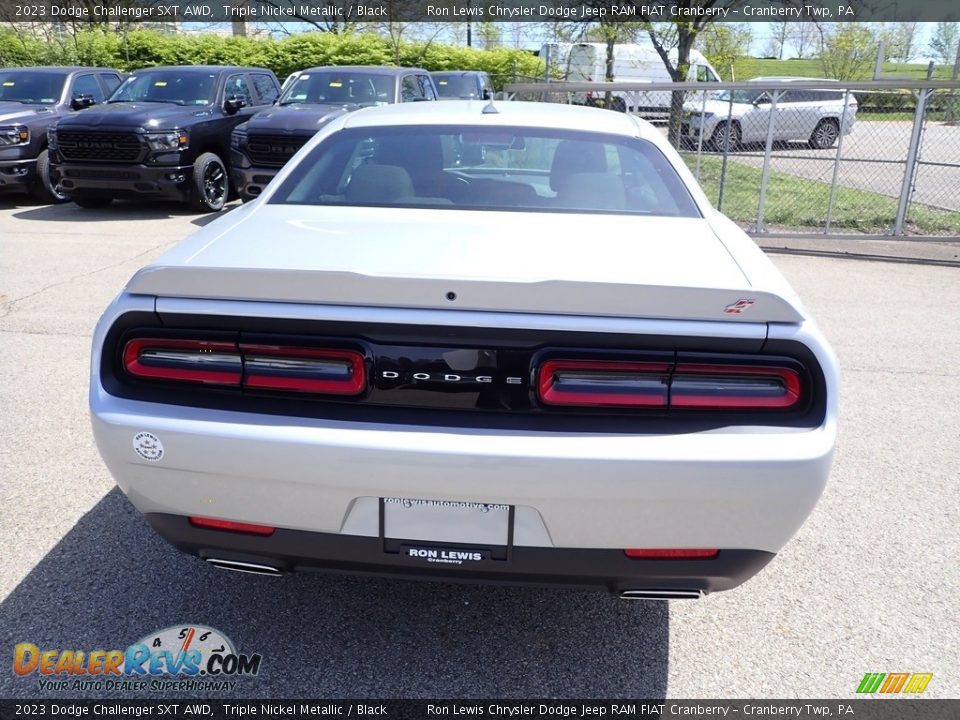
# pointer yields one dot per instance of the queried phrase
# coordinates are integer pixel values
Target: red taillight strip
(301, 369)
(786, 390)
(266, 367)
(671, 553)
(609, 383)
(231, 526)
(201, 361)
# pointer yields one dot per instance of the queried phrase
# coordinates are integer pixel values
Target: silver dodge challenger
(497, 342)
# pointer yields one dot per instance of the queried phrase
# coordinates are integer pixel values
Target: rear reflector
(709, 386)
(195, 361)
(230, 526)
(734, 386)
(610, 383)
(671, 553)
(298, 369)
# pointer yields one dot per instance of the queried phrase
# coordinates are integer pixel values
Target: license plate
(446, 521)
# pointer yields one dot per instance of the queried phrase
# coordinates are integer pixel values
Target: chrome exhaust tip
(244, 567)
(661, 594)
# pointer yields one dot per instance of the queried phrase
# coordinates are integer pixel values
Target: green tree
(724, 44)
(943, 44)
(847, 50)
(900, 40)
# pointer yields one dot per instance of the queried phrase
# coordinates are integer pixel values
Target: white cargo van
(587, 62)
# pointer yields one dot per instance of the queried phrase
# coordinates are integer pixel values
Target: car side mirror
(487, 95)
(79, 102)
(234, 103)
(762, 100)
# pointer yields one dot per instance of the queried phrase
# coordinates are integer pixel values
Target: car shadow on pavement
(121, 211)
(111, 581)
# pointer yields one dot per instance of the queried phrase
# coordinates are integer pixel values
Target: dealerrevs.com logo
(181, 657)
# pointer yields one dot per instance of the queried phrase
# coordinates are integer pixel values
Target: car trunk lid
(554, 263)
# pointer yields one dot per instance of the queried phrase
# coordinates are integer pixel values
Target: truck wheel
(46, 189)
(210, 184)
(91, 202)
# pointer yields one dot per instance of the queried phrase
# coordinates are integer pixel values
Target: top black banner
(694, 11)
(186, 708)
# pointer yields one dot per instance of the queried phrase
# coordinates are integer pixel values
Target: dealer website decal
(181, 657)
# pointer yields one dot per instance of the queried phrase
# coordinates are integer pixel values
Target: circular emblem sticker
(148, 446)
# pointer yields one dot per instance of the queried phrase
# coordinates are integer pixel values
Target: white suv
(814, 116)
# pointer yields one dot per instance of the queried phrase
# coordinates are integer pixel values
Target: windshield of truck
(31, 88)
(357, 88)
(167, 87)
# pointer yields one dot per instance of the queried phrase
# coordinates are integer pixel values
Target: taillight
(603, 383)
(299, 369)
(231, 526)
(696, 385)
(196, 361)
(261, 367)
(671, 553)
(704, 386)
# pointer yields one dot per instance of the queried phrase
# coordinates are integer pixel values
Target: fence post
(703, 109)
(836, 164)
(726, 151)
(768, 151)
(911, 165)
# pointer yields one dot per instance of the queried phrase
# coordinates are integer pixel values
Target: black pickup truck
(31, 100)
(261, 146)
(164, 134)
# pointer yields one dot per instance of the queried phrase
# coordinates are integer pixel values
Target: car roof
(200, 68)
(56, 69)
(513, 113)
(458, 72)
(372, 69)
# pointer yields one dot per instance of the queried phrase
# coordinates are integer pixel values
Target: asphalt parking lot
(870, 584)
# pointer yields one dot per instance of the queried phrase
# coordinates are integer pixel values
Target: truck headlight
(14, 135)
(167, 141)
(52, 135)
(237, 140)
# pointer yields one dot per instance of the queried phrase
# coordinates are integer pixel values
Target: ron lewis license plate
(446, 521)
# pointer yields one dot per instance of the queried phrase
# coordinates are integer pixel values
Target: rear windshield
(457, 86)
(358, 88)
(31, 88)
(480, 168)
(162, 86)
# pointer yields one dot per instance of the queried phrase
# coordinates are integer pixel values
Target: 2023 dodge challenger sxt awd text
(498, 343)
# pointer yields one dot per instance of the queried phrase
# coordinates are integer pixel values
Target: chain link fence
(799, 156)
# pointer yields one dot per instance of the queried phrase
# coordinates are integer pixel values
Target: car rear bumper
(171, 182)
(751, 488)
(296, 550)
